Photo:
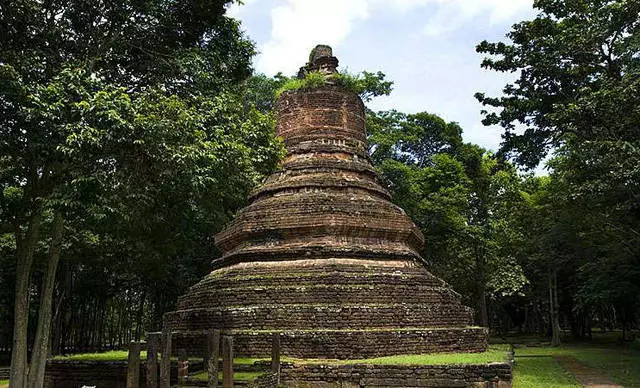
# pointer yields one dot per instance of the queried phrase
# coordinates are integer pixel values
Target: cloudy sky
(427, 47)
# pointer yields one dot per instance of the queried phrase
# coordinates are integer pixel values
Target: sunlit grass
(533, 370)
(495, 353)
(112, 355)
(535, 365)
(621, 363)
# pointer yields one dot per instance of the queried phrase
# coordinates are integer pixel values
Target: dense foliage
(125, 144)
(577, 95)
(130, 133)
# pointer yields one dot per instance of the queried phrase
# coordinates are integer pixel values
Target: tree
(460, 196)
(93, 122)
(577, 95)
(578, 77)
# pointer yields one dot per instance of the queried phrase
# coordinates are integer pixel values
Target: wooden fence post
(227, 361)
(213, 354)
(183, 366)
(133, 365)
(153, 345)
(165, 365)
(275, 355)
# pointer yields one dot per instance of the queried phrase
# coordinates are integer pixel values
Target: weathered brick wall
(324, 294)
(344, 344)
(495, 375)
(323, 113)
(332, 316)
(324, 132)
(267, 380)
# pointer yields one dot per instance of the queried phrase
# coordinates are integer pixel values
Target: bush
(366, 85)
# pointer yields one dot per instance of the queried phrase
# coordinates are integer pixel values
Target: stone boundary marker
(586, 375)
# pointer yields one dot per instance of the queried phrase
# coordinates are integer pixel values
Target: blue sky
(427, 47)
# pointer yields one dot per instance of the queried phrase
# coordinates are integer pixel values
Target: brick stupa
(321, 255)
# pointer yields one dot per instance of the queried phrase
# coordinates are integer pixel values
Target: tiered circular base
(330, 308)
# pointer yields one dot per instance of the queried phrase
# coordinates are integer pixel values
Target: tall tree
(579, 71)
(104, 101)
(461, 197)
(577, 95)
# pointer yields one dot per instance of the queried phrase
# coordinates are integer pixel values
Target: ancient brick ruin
(321, 255)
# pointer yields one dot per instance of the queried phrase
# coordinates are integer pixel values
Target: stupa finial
(321, 59)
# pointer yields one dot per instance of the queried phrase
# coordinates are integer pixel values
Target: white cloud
(498, 10)
(298, 25)
(301, 24)
(454, 14)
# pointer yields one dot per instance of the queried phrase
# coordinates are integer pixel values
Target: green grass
(536, 367)
(544, 371)
(620, 363)
(123, 355)
(247, 361)
(113, 355)
(312, 80)
(495, 353)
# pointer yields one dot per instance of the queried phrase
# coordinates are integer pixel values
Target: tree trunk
(143, 295)
(553, 307)
(25, 248)
(43, 330)
(481, 289)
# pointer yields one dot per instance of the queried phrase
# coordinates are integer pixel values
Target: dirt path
(586, 375)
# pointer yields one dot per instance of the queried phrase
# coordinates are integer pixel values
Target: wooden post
(165, 365)
(227, 361)
(275, 355)
(213, 354)
(183, 367)
(153, 345)
(133, 366)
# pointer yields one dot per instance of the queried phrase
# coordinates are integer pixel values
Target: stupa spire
(321, 59)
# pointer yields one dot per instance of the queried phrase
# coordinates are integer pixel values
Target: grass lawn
(112, 355)
(4, 383)
(535, 366)
(123, 355)
(540, 371)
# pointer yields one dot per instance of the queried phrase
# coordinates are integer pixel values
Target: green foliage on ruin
(367, 85)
